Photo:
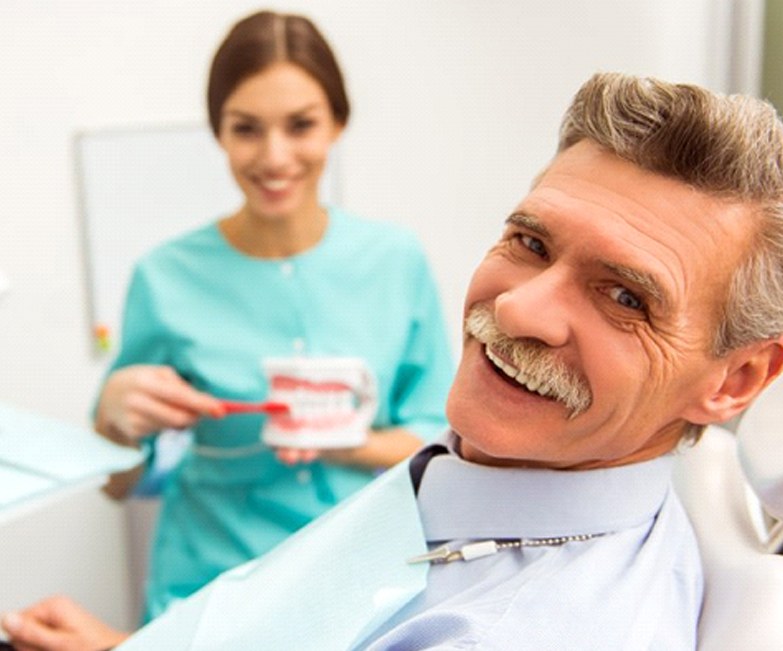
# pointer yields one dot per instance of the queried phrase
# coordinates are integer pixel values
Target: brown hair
(728, 145)
(265, 38)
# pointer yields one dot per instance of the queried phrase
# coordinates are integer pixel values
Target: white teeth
(275, 185)
(518, 375)
(506, 368)
(543, 390)
(306, 403)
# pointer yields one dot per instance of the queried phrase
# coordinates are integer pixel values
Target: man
(635, 296)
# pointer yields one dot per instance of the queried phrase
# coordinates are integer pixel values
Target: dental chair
(732, 487)
(760, 451)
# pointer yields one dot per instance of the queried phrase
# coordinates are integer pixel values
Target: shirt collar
(458, 499)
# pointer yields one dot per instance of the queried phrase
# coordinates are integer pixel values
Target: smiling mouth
(517, 377)
(272, 185)
(528, 365)
(275, 185)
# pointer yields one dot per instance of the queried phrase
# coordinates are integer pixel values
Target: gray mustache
(537, 363)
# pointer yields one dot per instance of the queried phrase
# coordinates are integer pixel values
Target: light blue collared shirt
(637, 585)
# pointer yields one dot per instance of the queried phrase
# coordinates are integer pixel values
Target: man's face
(614, 277)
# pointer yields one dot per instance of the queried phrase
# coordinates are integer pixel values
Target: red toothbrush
(236, 407)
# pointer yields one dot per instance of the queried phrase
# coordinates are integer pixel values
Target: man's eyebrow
(647, 282)
(527, 221)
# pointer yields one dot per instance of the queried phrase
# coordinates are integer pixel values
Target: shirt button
(304, 476)
(287, 268)
(298, 345)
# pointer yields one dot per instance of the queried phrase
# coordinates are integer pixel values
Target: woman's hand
(59, 624)
(139, 400)
(383, 449)
(292, 456)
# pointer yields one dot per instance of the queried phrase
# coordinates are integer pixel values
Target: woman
(282, 276)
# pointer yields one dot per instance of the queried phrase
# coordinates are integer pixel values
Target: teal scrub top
(199, 305)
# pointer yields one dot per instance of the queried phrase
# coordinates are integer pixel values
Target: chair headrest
(760, 447)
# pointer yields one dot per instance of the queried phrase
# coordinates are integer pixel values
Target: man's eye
(628, 299)
(533, 244)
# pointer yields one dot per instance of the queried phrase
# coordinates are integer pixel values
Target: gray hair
(730, 146)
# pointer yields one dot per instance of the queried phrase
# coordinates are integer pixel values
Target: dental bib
(326, 587)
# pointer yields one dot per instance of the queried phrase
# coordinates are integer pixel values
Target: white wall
(72, 543)
(456, 104)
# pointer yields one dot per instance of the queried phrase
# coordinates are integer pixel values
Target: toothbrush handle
(235, 407)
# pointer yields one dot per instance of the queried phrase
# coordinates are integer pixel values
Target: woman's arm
(383, 449)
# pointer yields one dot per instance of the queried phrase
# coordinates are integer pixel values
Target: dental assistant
(282, 276)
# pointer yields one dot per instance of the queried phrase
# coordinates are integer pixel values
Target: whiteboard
(139, 187)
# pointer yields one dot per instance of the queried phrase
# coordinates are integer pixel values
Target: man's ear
(747, 372)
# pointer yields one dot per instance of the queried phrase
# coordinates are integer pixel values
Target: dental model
(328, 407)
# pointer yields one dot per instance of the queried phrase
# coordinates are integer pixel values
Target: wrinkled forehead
(589, 172)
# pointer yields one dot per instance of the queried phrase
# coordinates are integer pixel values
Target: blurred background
(456, 105)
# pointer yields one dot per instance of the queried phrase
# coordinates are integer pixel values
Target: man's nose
(538, 307)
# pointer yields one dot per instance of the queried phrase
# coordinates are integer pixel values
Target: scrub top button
(287, 268)
(304, 476)
(299, 345)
